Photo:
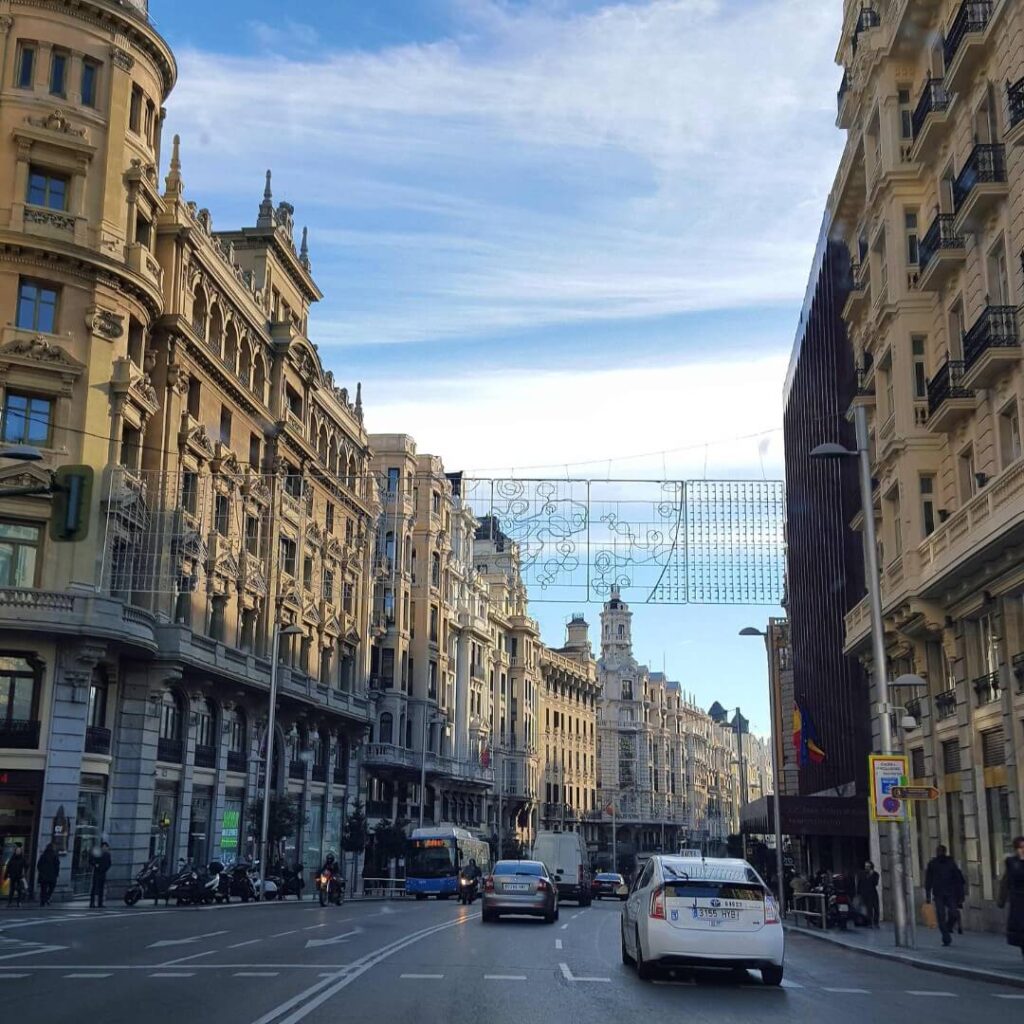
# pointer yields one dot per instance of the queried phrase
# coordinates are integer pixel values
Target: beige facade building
(229, 477)
(930, 198)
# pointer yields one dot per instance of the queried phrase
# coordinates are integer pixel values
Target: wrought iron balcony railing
(987, 163)
(941, 235)
(206, 756)
(170, 751)
(868, 18)
(933, 100)
(97, 740)
(236, 760)
(947, 383)
(945, 704)
(973, 16)
(995, 328)
(986, 688)
(296, 769)
(1015, 102)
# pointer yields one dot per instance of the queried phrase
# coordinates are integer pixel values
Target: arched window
(259, 378)
(234, 723)
(206, 721)
(199, 311)
(216, 338)
(231, 345)
(245, 362)
(622, 630)
(170, 716)
(387, 725)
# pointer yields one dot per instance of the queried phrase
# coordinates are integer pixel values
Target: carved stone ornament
(106, 324)
(56, 121)
(50, 218)
(143, 387)
(6, 24)
(122, 59)
(40, 350)
(200, 439)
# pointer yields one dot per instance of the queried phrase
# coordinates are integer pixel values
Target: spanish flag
(805, 738)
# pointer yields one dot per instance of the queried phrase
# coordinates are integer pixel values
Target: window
(329, 518)
(436, 502)
(90, 75)
(131, 448)
(19, 547)
(393, 477)
(926, 486)
(435, 569)
(46, 189)
(170, 717)
(910, 230)
(997, 803)
(27, 419)
(348, 593)
(387, 666)
(97, 700)
(58, 73)
(967, 479)
(204, 725)
(956, 329)
(252, 534)
(287, 556)
(37, 307)
(433, 623)
(328, 585)
(387, 725)
(17, 690)
(432, 680)
(998, 276)
(906, 115)
(917, 344)
(255, 446)
(1009, 434)
(307, 572)
(135, 110)
(222, 514)
(225, 425)
(189, 491)
(26, 67)
(895, 510)
(988, 645)
(234, 722)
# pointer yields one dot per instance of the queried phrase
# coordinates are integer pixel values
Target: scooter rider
(471, 873)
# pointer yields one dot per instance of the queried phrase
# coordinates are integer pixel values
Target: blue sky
(551, 233)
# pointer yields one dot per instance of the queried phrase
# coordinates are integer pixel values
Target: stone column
(188, 760)
(70, 681)
(462, 688)
(220, 784)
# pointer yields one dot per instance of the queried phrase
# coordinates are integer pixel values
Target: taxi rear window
(705, 890)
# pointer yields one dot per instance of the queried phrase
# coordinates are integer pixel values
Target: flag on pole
(805, 738)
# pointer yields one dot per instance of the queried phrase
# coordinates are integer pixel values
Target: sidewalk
(983, 956)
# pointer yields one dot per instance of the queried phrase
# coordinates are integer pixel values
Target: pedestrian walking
(100, 866)
(1011, 895)
(15, 874)
(946, 887)
(867, 891)
(47, 871)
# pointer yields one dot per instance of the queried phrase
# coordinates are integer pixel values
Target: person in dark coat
(47, 871)
(15, 873)
(100, 866)
(945, 886)
(1011, 894)
(867, 890)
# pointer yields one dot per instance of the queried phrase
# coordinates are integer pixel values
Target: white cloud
(285, 36)
(543, 167)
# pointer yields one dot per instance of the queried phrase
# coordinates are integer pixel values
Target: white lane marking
(83, 974)
(173, 974)
(185, 959)
(318, 993)
(248, 942)
(183, 942)
(921, 992)
(504, 977)
(344, 937)
(421, 977)
(564, 926)
(791, 984)
(848, 991)
(255, 974)
(313, 927)
(569, 976)
(32, 952)
(558, 943)
(6, 976)
(281, 935)
(998, 995)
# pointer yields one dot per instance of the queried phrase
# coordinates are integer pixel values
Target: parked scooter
(218, 874)
(244, 882)
(287, 881)
(191, 886)
(150, 883)
(837, 901)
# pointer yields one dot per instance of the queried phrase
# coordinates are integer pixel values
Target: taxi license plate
(516, 887)
(712, 914)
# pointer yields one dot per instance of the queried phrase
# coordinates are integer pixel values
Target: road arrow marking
(313, 943)
(183, 942)
(32, 952)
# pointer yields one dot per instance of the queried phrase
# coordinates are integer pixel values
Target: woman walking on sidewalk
(1011, 891)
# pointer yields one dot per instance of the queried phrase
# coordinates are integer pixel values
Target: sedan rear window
(518, 867)
(609, 878)
(704, 890)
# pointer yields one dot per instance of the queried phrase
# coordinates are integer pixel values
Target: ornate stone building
(929, 199)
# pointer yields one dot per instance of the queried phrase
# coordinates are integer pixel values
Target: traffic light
(72, 497)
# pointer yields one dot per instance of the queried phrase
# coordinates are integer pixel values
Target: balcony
(949, 399)
(319, 773)
(340, 775)
(858, 301)
(97, 740)
(297, 769)
(142, 262)
(941, 254)
(980, 186)
(986, 689)
(19, 734)
(206, 756)
(992, 346)
(867, 19)
(964, 45)
(1018, 670)
(1015, 111)
(236, 761)
(929, 119)
(388, 755)
(169, 751)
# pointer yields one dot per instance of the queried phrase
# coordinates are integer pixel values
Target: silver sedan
(520, 887)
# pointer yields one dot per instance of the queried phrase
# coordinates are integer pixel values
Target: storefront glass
(231, 827)
(92, 801)
(199, 825)
(161, 837)
(312, 851)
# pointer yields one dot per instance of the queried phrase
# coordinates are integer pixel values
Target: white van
(565, 856)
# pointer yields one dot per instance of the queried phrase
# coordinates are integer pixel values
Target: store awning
(807, 816)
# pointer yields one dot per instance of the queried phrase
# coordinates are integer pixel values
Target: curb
(939, 966)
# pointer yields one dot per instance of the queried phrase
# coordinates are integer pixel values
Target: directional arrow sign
(313, 943)
(183, 942)
(915, 792)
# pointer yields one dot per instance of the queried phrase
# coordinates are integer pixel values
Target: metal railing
(947, 383)
(973, 16)
(236, 761)
(171, 751)
(986, 164)
(986, 688)
(940, 235)
(995, 328)
(206, 756)
(386, 888)
(1015, 102)
(97, 740)
(868, 18)
(933, 100)
(945, 704)
(805, 914)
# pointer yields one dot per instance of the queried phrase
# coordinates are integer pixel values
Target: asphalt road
(423, 962)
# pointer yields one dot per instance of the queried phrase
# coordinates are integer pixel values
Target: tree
(354, 837)
(284, 822)
(389, 840)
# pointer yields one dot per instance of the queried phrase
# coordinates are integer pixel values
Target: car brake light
(542, 885)
(658, 904)
(771, 911)
(489, 884)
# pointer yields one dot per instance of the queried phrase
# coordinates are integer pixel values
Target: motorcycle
(467, 890)
(244, 882)
(287, 882)
(837, 904)
(150, 883)
(193, 887)
(218, 874)
(330, 888)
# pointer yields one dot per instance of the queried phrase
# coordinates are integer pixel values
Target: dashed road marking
(173, 974)
(6, 976)
(558, 943)
(1007, 995)
(848, 991)
(281, 935)
(256, 974)
(248, 942)
(564, 926)
(422, 977)
(791, 984)
(922, 992)
(312, 927)
(83, 974)
(569, 976)
(504, 977)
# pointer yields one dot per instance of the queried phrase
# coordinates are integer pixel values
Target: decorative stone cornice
(39, 350)
(121, 58)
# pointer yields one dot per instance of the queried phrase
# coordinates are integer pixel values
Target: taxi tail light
(771, 910)
(658, 904)
(489, 883)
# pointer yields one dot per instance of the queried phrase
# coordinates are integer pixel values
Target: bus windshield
(430, 858)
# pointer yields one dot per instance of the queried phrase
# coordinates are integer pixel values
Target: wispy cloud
(283, 37)
(547, 165)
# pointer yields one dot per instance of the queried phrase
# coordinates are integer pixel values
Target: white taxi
(691, 911)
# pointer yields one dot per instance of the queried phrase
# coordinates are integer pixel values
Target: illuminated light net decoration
(659, 542)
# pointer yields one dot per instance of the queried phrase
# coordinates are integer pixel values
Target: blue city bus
(435, 856)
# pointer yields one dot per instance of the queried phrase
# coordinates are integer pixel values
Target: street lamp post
(431, 720)
(275, 648)
(863, 455)
(776, 793)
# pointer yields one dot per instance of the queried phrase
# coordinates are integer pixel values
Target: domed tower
(616, 627)
(577, 635)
